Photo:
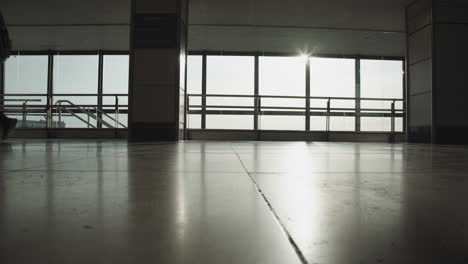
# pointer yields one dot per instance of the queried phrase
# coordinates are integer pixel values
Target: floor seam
(293, 243)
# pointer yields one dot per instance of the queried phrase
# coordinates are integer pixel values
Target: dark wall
(437, 50)
(419, 54)
(451, 64)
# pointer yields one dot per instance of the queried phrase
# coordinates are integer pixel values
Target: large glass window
(283, 76)
(75, 75)
(115, 81)
(75, 86)
(230, 75)
(27, 75)
(194, 86)
(331, 77)
(381, 79)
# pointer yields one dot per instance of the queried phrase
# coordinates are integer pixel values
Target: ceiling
(369, 27)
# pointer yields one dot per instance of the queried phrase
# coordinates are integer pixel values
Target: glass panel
(229, 122)
(182, 63)
(112, 118)
(76, 75)
(121, 118)
(194, 78)
(115, 81)
(380, 124)
(381, 79)
(318, 123)
(27, 75)
(282, 76)
(67, 119)
(342, 123)
(331, 77)
(269, 122)
(194, 121)
(115, 78)
(231, 75)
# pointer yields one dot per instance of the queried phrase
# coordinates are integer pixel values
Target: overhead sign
(155, 31)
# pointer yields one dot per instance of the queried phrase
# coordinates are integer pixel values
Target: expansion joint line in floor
(293, 243)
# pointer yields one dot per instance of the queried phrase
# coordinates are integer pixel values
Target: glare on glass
(230, 75)
(332, 77)
(76, 75)
(282, 76)
(194, 86)
(27, 74)
(381, 79)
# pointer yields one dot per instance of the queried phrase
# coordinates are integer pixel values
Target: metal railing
(257, 108)
(91, 115)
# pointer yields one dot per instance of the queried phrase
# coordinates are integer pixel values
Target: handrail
(20, 100)
(108, 116)
(292, 108)
(88, 113)
(296, 97)
(78, 105)
(92, 111)
(56, 94)
(77, 116)
(256, 108)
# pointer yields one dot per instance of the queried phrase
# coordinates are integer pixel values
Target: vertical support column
(256, 94)
(158, 54)
(100, 83)
(50, 89)
(307, 92)
(203, 99)
(357, 95)
(2, 84)
(436, 72)
(449, 69)
(419, 61)
(2, 81)
(405, 98)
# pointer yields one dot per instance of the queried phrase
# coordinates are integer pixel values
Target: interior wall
(327, 27)
(67, 24)
(368, 27)
(451, 56)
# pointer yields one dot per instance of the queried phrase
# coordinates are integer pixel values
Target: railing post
(116, 111)
(392, 137)
(259, 112)
(203, 92)
(256, 92)
(187, 111)
(328, 115)
(59, 114)
(307, 94)
(357, 94)
(24, 115)
(89, 117)
(49, 113)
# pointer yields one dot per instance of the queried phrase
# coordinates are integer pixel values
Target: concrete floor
(232, 202)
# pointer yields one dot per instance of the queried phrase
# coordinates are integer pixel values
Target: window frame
(307, 111)
(256, 55)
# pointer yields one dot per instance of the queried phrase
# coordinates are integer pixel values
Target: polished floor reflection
(64, 201)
